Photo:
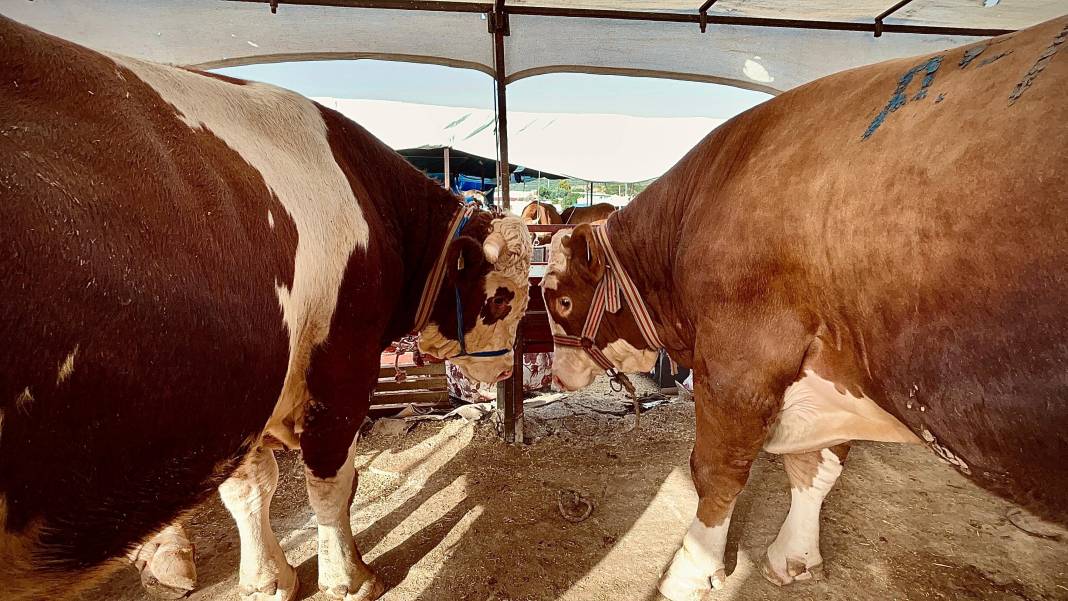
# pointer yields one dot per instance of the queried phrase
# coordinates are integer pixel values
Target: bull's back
(143, 346)
(918, 208)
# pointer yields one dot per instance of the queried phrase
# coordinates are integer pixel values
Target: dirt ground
(448, 512)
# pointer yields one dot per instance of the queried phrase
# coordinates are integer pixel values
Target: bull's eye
(563, 306)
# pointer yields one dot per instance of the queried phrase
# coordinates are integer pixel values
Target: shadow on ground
(447, 512)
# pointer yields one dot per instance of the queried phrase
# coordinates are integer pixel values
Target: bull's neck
(408, 213)
(421, 219)
(645, 237)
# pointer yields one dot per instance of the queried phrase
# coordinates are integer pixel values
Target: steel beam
(662, 17)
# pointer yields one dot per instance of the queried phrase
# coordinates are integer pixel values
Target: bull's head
(487, 267)
(576, 267)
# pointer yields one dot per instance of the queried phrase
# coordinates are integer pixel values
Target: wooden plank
(398, 406)
(430, 369)
(432, 383)
(406, 397)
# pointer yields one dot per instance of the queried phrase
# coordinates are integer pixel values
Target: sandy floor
(448, 512)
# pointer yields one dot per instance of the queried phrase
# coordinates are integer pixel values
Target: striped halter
(606, 298)
(433, 287)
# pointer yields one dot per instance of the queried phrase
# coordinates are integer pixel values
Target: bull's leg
(329, 446)
(166, 563)
(265, 574)
(729, 437)
(795, 554)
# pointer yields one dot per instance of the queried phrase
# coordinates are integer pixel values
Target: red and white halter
(606, 298)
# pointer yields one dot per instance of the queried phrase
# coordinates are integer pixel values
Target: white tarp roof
(600, 148)
(215, 33)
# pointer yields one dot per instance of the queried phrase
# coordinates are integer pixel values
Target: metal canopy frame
(510, 392)
(701, 17)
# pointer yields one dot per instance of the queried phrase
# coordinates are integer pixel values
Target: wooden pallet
(425, 386)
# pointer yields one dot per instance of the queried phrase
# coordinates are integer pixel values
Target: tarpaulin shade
(214, 33)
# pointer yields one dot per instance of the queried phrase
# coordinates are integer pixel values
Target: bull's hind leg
(795, 554)
(265, 574)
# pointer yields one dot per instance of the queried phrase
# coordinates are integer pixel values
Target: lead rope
(620, 379)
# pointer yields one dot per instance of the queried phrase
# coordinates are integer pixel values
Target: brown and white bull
(190, 263)
(879, 255)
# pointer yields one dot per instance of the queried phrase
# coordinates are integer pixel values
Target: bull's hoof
(369, 590)
(795, 570)
(167, 565)
(689, 587)
(284, 588)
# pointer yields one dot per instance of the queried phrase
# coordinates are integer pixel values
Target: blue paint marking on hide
(970, 55)
(899, 98)
(987, 61)
(940, 98)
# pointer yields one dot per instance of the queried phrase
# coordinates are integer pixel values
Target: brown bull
(590, 214)
(190, 263)
(540, 213)
(879, 255)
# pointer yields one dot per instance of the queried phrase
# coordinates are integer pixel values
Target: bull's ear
(586, 256)
(465, 260)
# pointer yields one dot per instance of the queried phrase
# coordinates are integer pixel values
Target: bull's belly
(815, 415)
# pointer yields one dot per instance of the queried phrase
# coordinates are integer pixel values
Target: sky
(552, 93)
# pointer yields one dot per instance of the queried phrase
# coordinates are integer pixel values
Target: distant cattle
(540, 213)
(580, 215)
(878, 255)
(192, 262)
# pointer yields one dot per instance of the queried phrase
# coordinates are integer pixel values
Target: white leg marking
(67, 367)
(342, 572)
(264, 574)
(795, 554)
(698, 564)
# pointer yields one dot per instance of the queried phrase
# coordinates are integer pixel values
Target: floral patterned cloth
(537, 375)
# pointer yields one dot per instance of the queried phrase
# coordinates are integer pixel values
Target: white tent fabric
(600, 148)
(214, 33)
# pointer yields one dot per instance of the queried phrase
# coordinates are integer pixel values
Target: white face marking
(247, 495)
(511, 271)
(816, 416)
(66, 368)
(698, 564)
(270, 218)
(573, 367)
(796, 550)
(24, 400)
(283, 136)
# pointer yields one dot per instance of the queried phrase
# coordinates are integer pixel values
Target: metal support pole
(509, 392)
(499, 26)
(448, 169)
(886, 13)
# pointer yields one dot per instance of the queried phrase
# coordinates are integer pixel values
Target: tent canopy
(599, 148)
(216, 33)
